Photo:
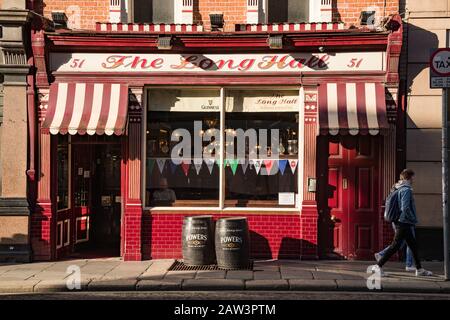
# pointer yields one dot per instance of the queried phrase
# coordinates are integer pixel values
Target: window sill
(217, 210)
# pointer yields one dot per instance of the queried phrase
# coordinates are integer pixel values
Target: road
(229, 295)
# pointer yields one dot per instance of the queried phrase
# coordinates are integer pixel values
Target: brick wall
(348, 11)
(234, 12)
(82, 14)
(274, 236)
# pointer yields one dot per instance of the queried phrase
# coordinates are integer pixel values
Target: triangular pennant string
(282, 165)
(269, 165)
(185, 165)
(161, 162)
(293, 165)
(233, 164)
(150, 165)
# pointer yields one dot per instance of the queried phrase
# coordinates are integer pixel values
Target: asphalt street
(217, 295)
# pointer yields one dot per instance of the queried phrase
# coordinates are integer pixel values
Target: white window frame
(67, 235)
(59, 227)
(69, 190)
(300, 165)
(315, 13)
(183, 11)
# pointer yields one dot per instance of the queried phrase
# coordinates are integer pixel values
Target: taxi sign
(440, 68)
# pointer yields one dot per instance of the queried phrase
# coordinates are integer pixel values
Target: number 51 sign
(440, 68)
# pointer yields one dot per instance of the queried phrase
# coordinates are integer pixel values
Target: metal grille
(180, 266)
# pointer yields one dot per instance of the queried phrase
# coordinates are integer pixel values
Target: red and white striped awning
(352, 108)
(92, 108)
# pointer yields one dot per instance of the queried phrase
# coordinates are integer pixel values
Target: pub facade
(137, 125)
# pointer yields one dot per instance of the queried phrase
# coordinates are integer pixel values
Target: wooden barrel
(232, 243)
(198, 241)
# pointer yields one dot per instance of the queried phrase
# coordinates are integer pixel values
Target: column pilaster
(132, 179)
(43, 220)
(309, 215)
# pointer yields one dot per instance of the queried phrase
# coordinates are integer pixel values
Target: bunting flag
(269, 165)
(244, 165)
(210, 164)
(293, 165)
(161, 162)
(282, 165)
(257, 165)
(150, 165)
(233, 164)
(198, 165)
(173, 167)
(185, 165)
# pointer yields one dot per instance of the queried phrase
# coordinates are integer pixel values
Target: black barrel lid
(198, 217)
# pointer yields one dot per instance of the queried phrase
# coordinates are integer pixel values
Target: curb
(54, 286)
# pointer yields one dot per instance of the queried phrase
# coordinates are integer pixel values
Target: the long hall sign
(242, 63)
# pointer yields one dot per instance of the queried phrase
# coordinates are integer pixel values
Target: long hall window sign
(241, 63)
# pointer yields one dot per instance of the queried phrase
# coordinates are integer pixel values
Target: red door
(349, 217)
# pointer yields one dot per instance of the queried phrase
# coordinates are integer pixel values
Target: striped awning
(352, 108)
(92, 108)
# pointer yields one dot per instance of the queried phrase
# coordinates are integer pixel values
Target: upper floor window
(151, 11)
(280, 11)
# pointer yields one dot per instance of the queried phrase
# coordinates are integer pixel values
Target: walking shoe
(410, 269)
(378, 256)
(376, 269)
(423, 272)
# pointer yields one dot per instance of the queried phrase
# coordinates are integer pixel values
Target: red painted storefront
(344, 221)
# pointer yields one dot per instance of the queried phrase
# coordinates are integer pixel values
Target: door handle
(344, 183)
(335, 219)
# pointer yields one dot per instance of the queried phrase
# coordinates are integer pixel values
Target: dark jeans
(403, 232)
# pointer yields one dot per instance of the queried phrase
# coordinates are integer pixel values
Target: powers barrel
(198, 241)
(232, 243)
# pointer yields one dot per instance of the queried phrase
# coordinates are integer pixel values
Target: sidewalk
(112, 274)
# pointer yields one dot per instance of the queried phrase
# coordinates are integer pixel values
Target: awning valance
(352, 108)
(92, 108)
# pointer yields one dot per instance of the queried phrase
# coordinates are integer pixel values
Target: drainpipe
(31, 121)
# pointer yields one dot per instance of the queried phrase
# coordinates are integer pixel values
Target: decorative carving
(42, 106)
(310, 110)
(391, 104)
(14, 56)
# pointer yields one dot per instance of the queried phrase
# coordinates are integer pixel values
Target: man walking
(409, 256)
(404, 226)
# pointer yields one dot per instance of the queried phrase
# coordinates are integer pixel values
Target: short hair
(407, 174)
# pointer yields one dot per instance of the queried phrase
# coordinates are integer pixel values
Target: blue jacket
(408, 213)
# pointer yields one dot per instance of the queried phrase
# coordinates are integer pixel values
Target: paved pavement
(225, 296)
(112, 274)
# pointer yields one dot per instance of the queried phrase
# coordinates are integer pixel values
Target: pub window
(151, 11)
(190, 115)
(63, 172)
(281, 11)
(258, 158)
(262, 131)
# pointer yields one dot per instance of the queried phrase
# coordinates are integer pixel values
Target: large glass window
(63, 172)
(259, 154)
(182, 130)
(261, 148)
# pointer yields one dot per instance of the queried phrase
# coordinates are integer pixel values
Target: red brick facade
(273, 236)
(348, 11)
(89, 12)
(235, 11)
(156, 235)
